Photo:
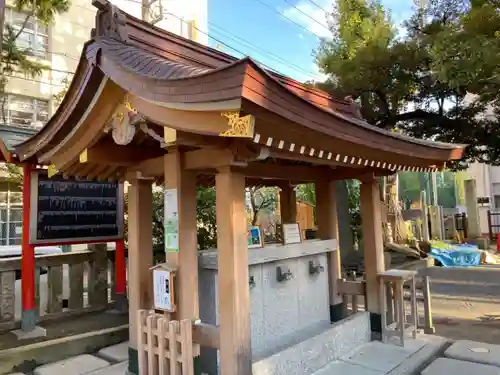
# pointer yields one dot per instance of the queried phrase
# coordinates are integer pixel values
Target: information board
(71, 210)
(163, 289)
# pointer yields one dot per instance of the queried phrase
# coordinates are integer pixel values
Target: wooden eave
(179, 84)
(80, 93)
(169, 73)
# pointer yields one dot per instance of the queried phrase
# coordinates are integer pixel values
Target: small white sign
(19, 230)
(171, 221)
(162, 285)
(291, 233)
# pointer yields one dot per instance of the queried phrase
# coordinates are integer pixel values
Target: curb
(26, 358)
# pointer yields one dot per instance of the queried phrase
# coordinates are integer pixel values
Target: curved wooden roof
(157, 70)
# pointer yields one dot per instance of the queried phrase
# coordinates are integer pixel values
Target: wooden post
(426, 291)
(326, 216)
(185, 259)
(425, 216)
(288, 204)
(120, 276)
(140, 255)
(373, 248)
(474, 228)
(234, 295)
(29, 312)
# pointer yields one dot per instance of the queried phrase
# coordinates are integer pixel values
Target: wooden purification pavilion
(148, 106)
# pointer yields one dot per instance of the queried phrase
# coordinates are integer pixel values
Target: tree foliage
(15, 59)
(205, 216)
(66, 81)
(261, 199)
(419, 79)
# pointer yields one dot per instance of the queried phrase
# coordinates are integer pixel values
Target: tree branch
(417, 114)
(23, 26)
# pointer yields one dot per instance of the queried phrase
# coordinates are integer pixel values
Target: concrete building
(30, 102)
(487, 186)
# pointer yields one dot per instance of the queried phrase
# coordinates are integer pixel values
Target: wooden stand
(401, 325)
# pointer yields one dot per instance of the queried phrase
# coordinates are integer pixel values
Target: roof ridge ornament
(356, 108)
(110, 21)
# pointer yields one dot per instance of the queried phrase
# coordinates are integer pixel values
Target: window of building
(35, 34)
(10, 218)
(26, 112)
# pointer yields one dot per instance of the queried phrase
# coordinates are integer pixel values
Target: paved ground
(108, 361)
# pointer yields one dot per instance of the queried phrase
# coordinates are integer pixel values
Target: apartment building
(30, 102)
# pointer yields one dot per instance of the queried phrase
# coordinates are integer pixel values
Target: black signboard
(72, 211)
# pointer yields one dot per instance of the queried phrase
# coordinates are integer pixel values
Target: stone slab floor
(461, 358)
(375, 358)
(108, 361)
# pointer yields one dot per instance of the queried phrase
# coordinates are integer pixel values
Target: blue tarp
(457, 255)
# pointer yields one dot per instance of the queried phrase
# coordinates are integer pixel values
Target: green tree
(417, 81)
(66, 81)
(205, 216)
(15, 59)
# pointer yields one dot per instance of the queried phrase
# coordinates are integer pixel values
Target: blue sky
(259, 29)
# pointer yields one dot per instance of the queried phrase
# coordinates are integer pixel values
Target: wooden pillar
(288, 204)
(326, 218)
(185, 258)
(234, 295)
(140, 259)
(29, 307)
(373, 248)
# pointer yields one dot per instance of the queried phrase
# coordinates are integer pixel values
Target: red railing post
(29, 315)
(120, 276)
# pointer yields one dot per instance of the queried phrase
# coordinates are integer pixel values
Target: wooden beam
(109, 153)
(200, 140)
(287, 172)
(211, 122)
(208, 158)
(352, 288)
(148, 168)
(206, 335)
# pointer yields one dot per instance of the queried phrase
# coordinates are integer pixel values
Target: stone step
(345, 368)
(116, 369)
(79, 365)
(383, 357)
(472, 351)
(453, 366)
(115, 353)
(377, 358)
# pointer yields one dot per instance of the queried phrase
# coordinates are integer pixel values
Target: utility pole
(2, 18)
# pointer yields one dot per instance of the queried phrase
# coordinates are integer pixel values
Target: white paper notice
(162, 289)
(171, 221)
(291, 233)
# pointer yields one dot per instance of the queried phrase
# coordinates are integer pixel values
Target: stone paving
(375, 358)
(108, 361)
(461, 358)
(467, 357)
